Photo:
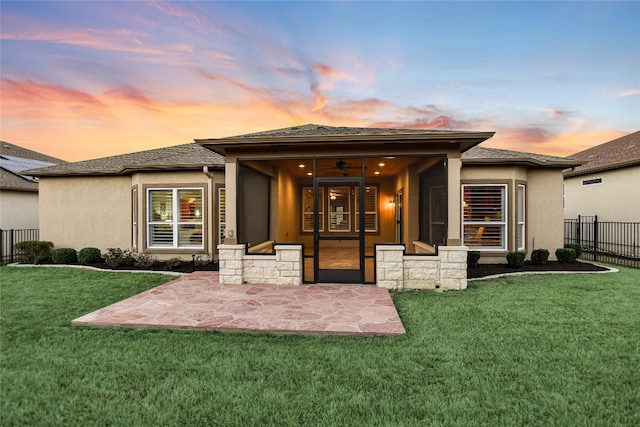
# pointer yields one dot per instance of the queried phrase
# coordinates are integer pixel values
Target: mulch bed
(483, 270)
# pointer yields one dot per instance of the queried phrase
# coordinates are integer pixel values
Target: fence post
(11, 245)
(595, 238)
(578, 227)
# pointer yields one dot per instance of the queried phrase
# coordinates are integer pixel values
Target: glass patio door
(338, 244)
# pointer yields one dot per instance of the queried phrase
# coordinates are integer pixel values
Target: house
(19, 193)
(315, 204)
(607, 183)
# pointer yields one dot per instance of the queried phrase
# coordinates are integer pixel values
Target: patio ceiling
(378, 167)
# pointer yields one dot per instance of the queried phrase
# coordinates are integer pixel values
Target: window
(307, 209)
(134, 218)
(485, 213)
(370, 209)
(339, 209)
(174, 218)
(222, 214)
(592, 181)
(520, 212)
(342, 205)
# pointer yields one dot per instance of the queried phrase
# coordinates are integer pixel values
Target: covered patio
(320, 204)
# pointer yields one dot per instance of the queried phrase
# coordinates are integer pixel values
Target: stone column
(453, 267)
(389, 266)
(231, 269)
(289, 264)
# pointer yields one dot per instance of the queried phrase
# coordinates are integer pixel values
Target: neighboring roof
(484, 155)
(619, 153)
(320, 135)
(178, 157)
(14, 160)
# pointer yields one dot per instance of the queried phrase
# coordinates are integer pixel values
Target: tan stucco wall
(544, 226)
(616, 199)
(18, 210)
(544, 222)
(82, 212)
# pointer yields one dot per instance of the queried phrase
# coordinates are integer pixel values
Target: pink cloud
(629, 92)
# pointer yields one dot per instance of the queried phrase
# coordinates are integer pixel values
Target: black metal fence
(612, 242)
(8, 238)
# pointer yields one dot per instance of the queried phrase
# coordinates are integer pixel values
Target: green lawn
(537, 350)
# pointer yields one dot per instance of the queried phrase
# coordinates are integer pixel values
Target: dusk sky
(87, 79)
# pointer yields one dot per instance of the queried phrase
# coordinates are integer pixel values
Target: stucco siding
(544, 221)
(18, 210)
(617, 198)
(91, 211)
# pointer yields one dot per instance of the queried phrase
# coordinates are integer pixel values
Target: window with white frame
(485, 216)
(520, 213)
(370, 208)
(174, 218)
(222, 214)
(134, 217)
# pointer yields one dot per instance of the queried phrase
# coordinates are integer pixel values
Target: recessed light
(301, 165)
(381, 164)
(309, 173)
(377, 172)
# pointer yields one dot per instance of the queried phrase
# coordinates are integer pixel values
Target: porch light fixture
(391, 203)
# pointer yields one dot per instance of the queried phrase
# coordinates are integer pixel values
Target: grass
(530, 350)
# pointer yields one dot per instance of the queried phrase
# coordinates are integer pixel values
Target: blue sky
(84, 79)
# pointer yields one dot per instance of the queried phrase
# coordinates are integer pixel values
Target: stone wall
(283, 268)
(447, 270)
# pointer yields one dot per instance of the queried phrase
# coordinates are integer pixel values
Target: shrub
(64, 256)
(515, 259)
(116, 257)
(472, 258)
(539, 257)
(566, 255)
(145, 260)
(173, 263)
(576, 247)
(202, 259)
(88, 256)
(33, 251)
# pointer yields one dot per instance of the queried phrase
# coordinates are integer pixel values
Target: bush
(472, 258)
(145, 260)
(64, 256)
(566, 255)
(88, 256)
(576, 247)
(515, 259)
(116, 257)
(33, 251)
(539, 257)
(173, 263)
(202, 259)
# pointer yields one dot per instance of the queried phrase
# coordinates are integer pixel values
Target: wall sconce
(391, 204)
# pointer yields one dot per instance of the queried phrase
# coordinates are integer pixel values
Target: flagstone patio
(198, 301)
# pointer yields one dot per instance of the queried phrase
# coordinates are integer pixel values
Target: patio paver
(198, 301)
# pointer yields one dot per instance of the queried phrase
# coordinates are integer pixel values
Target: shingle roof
(15, 159)
(618, 153)
(484, 155)
(186, 156)
(311, 129)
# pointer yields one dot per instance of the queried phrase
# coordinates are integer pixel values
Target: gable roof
(178, 157)
(491, 156)
(14, 160)
(618, 153)
(314, 135)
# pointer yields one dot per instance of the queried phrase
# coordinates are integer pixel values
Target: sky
(88, 79)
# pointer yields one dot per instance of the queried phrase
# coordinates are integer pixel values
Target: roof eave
(467, 140)
(521, 161)
(571, 173)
